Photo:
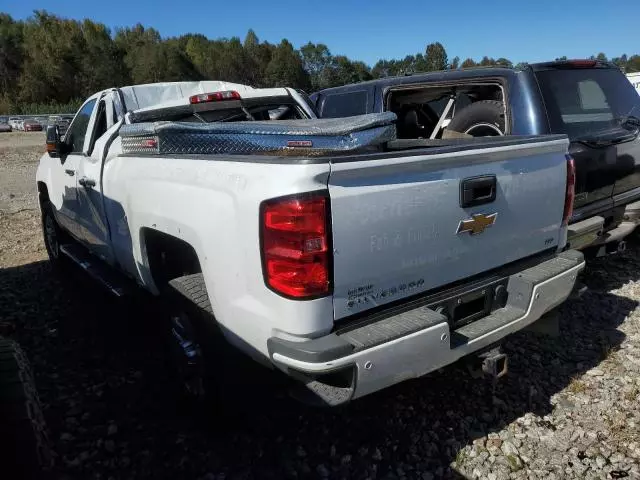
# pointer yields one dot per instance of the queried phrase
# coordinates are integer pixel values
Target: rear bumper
(591, 232)
(349, 364)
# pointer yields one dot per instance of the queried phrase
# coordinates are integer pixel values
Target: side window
(345, 104)
(78, 129)
(100, 125)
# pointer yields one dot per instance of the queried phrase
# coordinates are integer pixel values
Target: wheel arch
(43, 192)
(167, 257)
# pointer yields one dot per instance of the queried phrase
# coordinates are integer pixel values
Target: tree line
(48, 63)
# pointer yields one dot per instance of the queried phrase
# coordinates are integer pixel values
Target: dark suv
(592, 102)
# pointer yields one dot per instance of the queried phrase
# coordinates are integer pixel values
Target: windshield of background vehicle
(583, 101)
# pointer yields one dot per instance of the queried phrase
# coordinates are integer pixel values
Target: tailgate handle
(477, 190)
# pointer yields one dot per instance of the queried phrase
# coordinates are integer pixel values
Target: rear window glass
(258, 112)
(582, 101)
(345, 104)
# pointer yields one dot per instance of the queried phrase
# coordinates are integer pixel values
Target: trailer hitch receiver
(494, 363)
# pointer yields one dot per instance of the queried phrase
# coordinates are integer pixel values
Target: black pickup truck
(590, 101)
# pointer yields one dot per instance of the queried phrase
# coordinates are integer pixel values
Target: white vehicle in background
(13, 122)
(634, 78)
(325, 248)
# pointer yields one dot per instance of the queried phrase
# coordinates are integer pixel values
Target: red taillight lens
(214, 97)
(571, 190)
(295, 246)
(582, 63)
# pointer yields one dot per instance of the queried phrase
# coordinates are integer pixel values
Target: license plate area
(473, 305)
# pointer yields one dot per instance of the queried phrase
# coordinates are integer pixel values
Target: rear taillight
(214, 97)
(296, 246)
(571, 190)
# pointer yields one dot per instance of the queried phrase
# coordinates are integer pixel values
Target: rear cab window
(256, 110)
(580, 101)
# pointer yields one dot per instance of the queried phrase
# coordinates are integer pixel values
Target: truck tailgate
(399, 227)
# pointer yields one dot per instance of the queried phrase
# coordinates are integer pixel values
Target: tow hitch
(494, 363)
(490, 363)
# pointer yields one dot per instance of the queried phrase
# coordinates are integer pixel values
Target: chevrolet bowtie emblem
(477, 223)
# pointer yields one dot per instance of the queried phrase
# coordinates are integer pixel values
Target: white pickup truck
(324, 248)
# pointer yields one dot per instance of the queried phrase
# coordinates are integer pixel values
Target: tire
(480, 119)
(222, 383)
(53, 236)
(198, 351)
(24, 444)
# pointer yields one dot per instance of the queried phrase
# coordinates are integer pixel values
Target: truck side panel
(213, 205)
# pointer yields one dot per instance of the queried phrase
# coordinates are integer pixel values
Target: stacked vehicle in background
(589, 101)
(634, 78)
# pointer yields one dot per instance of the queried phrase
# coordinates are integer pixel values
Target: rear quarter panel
(213, 203)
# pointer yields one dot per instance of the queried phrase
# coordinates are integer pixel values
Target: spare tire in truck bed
(24, 446)
(484, 118)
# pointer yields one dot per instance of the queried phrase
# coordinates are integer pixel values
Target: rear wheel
(480, 119)
(215, 378)
(195, 344)
(24, 446)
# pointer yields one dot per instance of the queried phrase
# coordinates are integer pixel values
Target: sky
(536, 30)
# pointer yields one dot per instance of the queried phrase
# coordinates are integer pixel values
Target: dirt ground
(20, 242)
(569, 408)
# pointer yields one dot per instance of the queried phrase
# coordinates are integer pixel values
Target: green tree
(256, 58)
(317, 61)
(102, 64)
(503, 62)
(621, 61)
(286, 68)
(436, 57)
(633, 64)
(455, 63)
(196, 48)
(11, 40)
(487, 62)
(53, 52)
(383, 68)
(343, 71)
(468, 63)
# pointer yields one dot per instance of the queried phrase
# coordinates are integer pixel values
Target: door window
(78, 129)
(100, 125)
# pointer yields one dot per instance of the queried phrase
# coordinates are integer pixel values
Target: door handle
(477, 190)
(87, 182)
(71, 173)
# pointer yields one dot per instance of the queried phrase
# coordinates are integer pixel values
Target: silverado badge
(477, 223)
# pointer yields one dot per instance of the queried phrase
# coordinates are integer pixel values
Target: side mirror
(54, 145)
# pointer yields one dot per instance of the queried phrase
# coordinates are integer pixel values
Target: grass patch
(633, 394)
(461, 456)
(514, 462)
(577, 386)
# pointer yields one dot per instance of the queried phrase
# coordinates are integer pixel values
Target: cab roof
(169, 94)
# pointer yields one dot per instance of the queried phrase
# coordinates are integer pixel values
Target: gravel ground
(19, 153)
(569, 407)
